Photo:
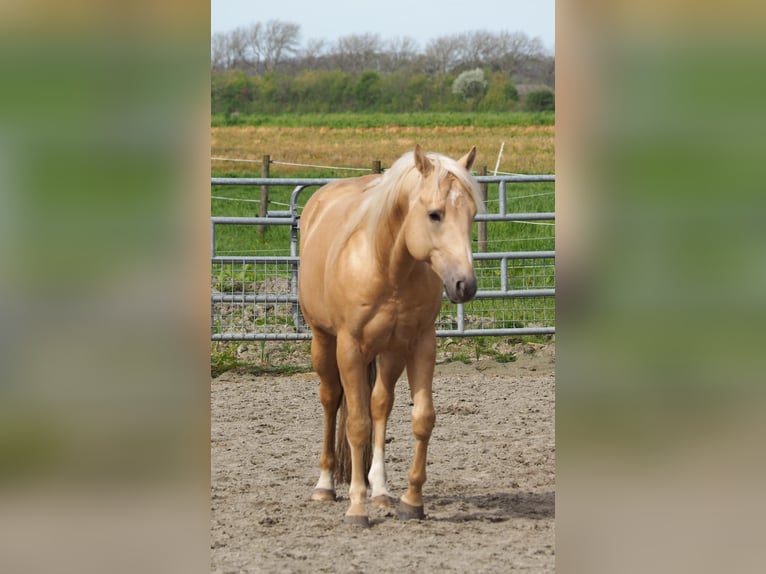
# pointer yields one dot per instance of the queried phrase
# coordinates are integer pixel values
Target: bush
(367, 90)
(510, 92)
(501, 94)
(540, 101)
(470, 84)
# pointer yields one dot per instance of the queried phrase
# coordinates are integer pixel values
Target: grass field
(352, 141)
(415, 119)
(528, 149)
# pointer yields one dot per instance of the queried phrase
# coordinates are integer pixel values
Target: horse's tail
(342, 450)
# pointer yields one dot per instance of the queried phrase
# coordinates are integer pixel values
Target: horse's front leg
(420, 372)
(353, 372)
(323, 357)
(390, 367)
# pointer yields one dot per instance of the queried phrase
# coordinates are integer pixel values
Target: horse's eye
(435, 215)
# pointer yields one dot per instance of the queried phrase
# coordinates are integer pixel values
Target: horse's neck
(391, 250)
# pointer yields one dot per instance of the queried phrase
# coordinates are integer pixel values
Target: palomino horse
(375, 252)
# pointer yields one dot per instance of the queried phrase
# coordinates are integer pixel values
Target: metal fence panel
(254, 296)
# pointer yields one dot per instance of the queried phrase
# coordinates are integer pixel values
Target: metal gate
(255, 294)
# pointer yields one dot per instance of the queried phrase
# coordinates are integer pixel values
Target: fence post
(376, 166)
(483, 224)
(264, 206)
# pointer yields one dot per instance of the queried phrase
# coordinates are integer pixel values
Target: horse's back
(322, 224)
(331, 202)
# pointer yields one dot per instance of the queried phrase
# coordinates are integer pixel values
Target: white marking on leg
(377, 474)
(326, 481)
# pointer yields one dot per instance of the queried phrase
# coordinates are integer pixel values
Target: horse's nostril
(468, 289)
(460, 287)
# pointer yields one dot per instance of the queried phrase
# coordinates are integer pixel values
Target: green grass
(223, 357)
(377, 120)
(271, 358)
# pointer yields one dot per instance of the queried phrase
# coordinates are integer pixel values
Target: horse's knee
(330, 395)
(358, 430)
(381, 404)
(423, 420)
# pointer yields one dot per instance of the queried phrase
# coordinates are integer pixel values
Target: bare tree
(220, 58)
(518, 48)
(400, 52)
(474, 46)
(256, 47)
(278, 40)
(253, 35)
(497, 51)
(444, 54)
(487, 49)
(359, 52)
(238, 48)
(233, 49)
(312, 56)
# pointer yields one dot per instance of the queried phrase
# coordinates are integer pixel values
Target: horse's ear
(467, 160)
(421, 161)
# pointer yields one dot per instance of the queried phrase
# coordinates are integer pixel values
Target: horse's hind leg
(330, 394)
(390, 367)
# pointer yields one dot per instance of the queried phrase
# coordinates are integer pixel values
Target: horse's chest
(398, 323)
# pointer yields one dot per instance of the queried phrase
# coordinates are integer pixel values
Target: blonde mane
(381, 195)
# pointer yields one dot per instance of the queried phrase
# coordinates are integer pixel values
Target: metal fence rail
(255, 296)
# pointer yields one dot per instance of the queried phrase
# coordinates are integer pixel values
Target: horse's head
(438, 225)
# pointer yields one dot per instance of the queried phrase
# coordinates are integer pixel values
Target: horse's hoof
(408, 512)
(359, 520)
(323, 495)
(382, 501)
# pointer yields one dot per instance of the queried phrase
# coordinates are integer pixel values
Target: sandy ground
(489, 496)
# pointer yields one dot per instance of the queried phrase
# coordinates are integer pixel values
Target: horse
(376, 251)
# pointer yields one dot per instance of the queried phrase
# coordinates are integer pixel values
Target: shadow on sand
(492, 507)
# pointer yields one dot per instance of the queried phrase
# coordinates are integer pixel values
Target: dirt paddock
(489, 496)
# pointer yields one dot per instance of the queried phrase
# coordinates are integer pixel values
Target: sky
(420, 20)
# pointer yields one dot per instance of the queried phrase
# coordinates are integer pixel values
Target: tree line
(264, 68)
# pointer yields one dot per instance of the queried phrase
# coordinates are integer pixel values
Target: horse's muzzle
(461, 290)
